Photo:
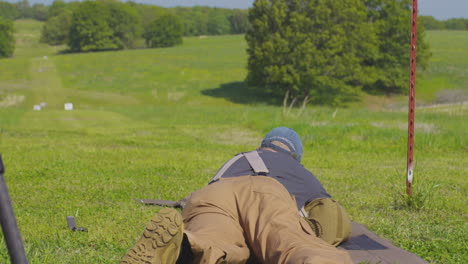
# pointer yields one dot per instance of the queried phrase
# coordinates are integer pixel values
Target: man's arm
(329, 220)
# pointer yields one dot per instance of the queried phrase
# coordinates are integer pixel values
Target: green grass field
(158, 123)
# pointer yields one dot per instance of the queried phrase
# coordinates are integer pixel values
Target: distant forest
(198, 20)
(112, 24)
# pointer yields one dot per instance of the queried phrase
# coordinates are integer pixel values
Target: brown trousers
(227, 220)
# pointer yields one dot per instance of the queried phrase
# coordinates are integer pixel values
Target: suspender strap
(256, 162)
(303, 212)
(254, 159)
(226, 167)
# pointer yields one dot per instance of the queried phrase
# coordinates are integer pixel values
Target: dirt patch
(326, 123)
(11, 100)
(319, 124)
(357, 138)
(451, 96)
(458, 109)
(382, 102)
(233, 136)
(237, 137)
(175, 96)
(422, 127)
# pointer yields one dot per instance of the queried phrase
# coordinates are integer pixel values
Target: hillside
(158, 123)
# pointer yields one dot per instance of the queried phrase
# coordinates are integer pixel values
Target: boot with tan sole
(160, 242)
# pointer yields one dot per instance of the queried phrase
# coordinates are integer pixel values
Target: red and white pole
(411, 97)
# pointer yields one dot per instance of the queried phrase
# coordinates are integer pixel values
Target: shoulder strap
(303, 212)
(254, 159)
(256, 162)
(226, 167)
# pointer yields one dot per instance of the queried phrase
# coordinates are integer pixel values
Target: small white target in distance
(68, 106)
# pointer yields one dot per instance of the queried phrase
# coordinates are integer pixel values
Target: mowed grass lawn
(158, 123)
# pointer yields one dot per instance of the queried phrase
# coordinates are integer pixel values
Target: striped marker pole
(411, 97)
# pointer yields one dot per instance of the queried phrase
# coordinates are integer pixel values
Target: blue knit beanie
(286, 136)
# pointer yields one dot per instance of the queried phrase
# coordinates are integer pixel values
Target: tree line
(23, 9)
(449, 24)
(204, 20)
(112, 24)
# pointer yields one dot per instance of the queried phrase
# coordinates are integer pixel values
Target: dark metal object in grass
(176, 204)
(72, 225)
(9, 226)
(412, 97)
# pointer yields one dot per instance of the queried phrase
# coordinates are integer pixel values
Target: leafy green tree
(57, 7)
(165, 31)
(195, 20)
(7, 39)
(148, 13)
(391, 20)
(103, 25)
(308, 49)
(56, 29)
(124, 21)
(8, 10)
(89, 29)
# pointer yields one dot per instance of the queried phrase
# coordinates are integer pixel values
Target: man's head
(284, 139)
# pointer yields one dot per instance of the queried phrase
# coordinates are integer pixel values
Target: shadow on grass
(239, 92)
(69, 51)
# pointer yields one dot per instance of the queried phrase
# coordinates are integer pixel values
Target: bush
(7, 39)
(164, 31)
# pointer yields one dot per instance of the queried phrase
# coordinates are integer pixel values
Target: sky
(440, 9)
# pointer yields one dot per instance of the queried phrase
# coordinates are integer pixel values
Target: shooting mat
(366, 247)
